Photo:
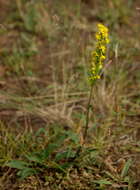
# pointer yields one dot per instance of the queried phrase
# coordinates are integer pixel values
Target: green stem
(87, 115)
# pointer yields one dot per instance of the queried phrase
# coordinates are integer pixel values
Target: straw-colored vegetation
(46, 142)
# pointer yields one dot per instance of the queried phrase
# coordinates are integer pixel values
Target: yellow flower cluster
(99, 54)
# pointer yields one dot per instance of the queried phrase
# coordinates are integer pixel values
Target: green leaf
(64, 155)
(102, 182)
(126, 167)
(66, 165)
(18, 164)
(60, 139)
(41, 131)
(26, 172)
(46, 152)
(30, 19)
(73, 136)
(35, 158)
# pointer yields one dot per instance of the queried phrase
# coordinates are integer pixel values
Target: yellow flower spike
(96, 65)
(99, 54)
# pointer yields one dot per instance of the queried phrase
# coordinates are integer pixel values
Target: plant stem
(87, 115)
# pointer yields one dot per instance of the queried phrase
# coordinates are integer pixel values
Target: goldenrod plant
(96, 65)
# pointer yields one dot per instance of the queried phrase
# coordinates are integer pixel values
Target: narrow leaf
(126, 167)
(102, 182)
(26, 172)
(34, 158)
(18, 164)
(46, 152)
